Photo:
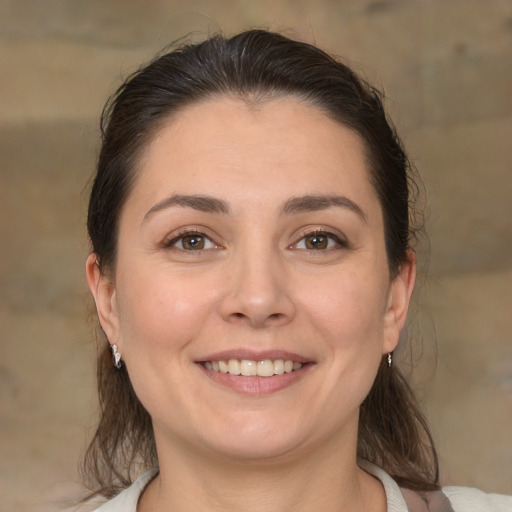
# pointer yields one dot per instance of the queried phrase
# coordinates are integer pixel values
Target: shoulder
(126, 501)
(461, 499)
(465, 499)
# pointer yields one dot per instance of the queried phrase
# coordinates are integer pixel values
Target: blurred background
(446, 68)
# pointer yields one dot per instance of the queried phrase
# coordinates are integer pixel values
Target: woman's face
(252, 238)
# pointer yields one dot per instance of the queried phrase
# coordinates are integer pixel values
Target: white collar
(127, 500)
(394, 499)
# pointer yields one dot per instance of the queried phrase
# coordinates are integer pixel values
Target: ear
(400, 291)
(104, 292)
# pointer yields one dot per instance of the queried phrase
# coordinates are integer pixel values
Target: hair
(255, 66)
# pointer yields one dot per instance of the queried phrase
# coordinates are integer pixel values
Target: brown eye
(193, 242)
(316, 241)
(320, 241)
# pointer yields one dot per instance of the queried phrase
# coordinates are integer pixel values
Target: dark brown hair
(255, 65)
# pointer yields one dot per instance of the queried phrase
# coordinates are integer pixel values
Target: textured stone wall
(446, 68)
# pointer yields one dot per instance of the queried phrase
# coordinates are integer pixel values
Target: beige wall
(446, 67)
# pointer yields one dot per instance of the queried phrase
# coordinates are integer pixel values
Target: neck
(323, 479)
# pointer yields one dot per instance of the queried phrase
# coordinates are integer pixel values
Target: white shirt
(462, 499)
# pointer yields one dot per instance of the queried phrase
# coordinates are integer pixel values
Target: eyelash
(170, 243)
(340, 242)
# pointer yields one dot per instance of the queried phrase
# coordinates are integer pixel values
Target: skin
(256, 285)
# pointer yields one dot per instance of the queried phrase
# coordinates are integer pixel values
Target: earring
(116, 356)
(390, 359)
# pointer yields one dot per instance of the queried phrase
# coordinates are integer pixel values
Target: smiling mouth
(251, 368)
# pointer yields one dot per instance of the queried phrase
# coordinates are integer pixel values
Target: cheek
(349, 309)
(161, 313)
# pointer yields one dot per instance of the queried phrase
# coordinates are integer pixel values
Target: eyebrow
(308, 203)
(321, 202)
(205, 204)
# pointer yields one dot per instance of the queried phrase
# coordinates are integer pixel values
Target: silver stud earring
(116, 356)
(390, 359)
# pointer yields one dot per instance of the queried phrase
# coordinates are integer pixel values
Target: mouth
(255, 373)
(253, 367)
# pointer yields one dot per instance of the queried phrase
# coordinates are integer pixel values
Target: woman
(252, 269)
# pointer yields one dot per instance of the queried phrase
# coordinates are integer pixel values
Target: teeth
(265, 368)
(248, 368)
(233, 367)
(278, 366)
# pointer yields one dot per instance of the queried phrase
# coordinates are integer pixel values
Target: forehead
(279, 147)
(228, 119)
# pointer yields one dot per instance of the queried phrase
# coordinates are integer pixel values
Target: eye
(319, 241)
(191, 241)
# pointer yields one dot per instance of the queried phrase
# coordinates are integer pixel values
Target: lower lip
(256, 386)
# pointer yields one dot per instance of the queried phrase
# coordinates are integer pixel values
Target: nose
(258, 293)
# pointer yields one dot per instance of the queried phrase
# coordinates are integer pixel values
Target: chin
(268, 442)
(256, 451)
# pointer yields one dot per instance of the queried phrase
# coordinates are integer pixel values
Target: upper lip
(255, 355)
